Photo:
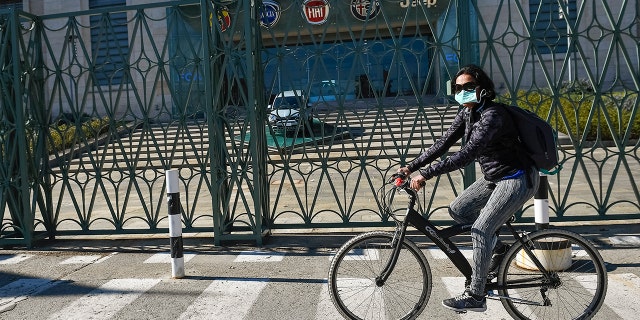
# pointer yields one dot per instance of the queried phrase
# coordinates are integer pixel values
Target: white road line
(364, 292)
(105, 257)
(495, 310)
(360, 254)
(436, 253)
(622, 295)
(325, 309)
(225, 299)
(21, 289)
(625, 240)
(165, 257)
(81, 259)
(259, 256)
(14, 258)
(105, 301)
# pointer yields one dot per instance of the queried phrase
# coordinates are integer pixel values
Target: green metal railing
(97, 104)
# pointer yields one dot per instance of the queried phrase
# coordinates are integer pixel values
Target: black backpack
(537, 137)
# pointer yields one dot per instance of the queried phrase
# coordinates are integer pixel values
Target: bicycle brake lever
(394, 178)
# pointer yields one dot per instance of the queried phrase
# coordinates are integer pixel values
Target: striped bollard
(175, 224)
(541, 203)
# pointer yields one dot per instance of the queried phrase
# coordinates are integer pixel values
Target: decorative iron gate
(112, 97)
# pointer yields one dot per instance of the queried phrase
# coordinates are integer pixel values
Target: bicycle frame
(441, 238)
(543, 273)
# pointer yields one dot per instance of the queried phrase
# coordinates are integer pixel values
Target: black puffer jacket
(491, 139)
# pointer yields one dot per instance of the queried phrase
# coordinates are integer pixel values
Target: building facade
(369, 48)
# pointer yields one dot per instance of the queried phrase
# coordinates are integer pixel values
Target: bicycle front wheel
(355, 291)
(574, 288)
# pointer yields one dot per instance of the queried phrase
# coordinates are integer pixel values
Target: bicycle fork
(396, 245)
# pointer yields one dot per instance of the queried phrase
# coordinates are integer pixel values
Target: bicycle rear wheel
(353, 272)
(576, 285)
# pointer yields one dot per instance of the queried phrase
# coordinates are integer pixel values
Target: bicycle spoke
(573, 286)
(353, 273)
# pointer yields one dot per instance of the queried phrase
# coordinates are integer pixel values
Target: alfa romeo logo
(364, 10)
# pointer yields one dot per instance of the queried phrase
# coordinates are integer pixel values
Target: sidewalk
(604, 234)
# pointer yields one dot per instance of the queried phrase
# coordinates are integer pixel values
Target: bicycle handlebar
(402, 181)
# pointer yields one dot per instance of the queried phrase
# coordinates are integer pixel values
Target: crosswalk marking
(625, 240)
(325, 309)
(363, 254)
(105, 258)
(225, 299)
(21, 289)
(360, 254)
(259, 256)
(13, 258)
(436, 253)
(105, 301)
(365, 293)
(236, 298)
(232, 299)
(622, 292)
(81, 259)
(495, 310)
(165, 257)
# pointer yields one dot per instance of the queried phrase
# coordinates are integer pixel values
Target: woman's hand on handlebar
(404, 171)
(417, 182)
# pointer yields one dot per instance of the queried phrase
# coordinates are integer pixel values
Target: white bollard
(175, 224)
(554, 254)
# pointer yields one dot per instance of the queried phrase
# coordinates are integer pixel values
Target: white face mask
(465, 96)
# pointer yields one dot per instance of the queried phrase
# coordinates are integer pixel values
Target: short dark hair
(481, 77)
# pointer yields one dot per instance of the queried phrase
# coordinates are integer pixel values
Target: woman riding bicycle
(510, 178)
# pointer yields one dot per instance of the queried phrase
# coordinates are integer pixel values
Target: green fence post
(256, 97)
(15, 147)
(212, 73)
(467, 54)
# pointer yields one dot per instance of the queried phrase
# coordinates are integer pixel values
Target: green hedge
(64, 135)
(571, 112)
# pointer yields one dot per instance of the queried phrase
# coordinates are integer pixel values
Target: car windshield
(289, 102)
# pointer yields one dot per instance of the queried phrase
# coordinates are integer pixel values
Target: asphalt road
(285, 279)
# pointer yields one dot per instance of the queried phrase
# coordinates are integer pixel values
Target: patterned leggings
(488, 209)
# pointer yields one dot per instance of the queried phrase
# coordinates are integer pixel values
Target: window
(549, 24)
(6, 4)
(109, 43)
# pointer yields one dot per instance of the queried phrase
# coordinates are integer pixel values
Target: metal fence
(97, 104)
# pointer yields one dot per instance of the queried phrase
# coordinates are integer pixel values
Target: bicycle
(546, 274)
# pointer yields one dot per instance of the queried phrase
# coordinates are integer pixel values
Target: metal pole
(541, 203)
(175, 224)
(565, 14)
(466, 55)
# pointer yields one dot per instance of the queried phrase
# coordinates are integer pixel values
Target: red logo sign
(316, 11)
